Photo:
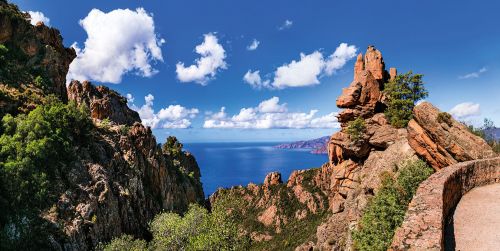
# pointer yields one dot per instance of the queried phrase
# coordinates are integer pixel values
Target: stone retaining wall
(435, 201)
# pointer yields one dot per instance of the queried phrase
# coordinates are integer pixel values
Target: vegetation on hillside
(386, 210)
(22, 85)
(36, 153)
(292, 231)
(485, 132)
(356, 128)
(402, 93)
(197, 229)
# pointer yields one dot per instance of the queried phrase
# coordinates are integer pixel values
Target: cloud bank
(306, 71)
(173, 116)
(465, 110)
(270, 114)
(118, 42)
(205, 68)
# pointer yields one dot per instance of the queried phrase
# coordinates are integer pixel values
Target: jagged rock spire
(363, 96)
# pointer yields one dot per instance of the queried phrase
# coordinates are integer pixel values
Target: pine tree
(402, 93)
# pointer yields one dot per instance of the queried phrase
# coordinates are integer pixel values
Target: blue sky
(455, 44)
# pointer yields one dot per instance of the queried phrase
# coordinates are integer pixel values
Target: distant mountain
(493, 132)
(317, 146)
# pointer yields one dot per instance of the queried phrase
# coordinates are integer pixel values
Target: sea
(231, 164)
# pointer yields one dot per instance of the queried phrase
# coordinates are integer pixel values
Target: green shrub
(444, 117)
(402, 93)
(172, 147)
(124, 130)
(125, 243)
(36, 152)
(386, 210)
(106, 123)
(196, 230)
(356, 128)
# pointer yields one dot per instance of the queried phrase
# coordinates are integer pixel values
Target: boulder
(443, 142)
(342, 147)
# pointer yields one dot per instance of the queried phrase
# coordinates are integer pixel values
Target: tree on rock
(402, 92)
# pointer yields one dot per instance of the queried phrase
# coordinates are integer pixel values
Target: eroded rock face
(363, 96)
(443, 143)
(41, 44)
(103, 103)
(122, 180)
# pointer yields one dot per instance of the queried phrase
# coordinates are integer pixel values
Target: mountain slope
(108, 175)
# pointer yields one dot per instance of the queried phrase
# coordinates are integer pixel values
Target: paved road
(477, 219)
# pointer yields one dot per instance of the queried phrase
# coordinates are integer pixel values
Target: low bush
(125, 243)
(385, 212)
(356, 128)
(444, 117)
(198, 229)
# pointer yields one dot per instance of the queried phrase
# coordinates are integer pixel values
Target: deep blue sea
(231, 164)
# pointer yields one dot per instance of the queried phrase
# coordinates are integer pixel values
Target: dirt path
(477, 219)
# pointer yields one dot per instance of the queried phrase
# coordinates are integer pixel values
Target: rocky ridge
(123, 179)
(33, 51)
(330, 199)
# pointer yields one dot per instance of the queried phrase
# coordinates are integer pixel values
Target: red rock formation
(363, 96)
(443, 143)
(102, 102)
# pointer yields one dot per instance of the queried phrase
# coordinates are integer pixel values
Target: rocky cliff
(122, 177)
(36, 61)
(318, 208)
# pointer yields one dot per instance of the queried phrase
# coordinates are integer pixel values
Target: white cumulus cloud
(465, 110)
(306, 71)
(118, 42)
(37, 16)
(205, 68)
(339, 58)
(173, 116)
(270, 114)
(475, 74)
(254, 79)
(254, 45)
(299, 73)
